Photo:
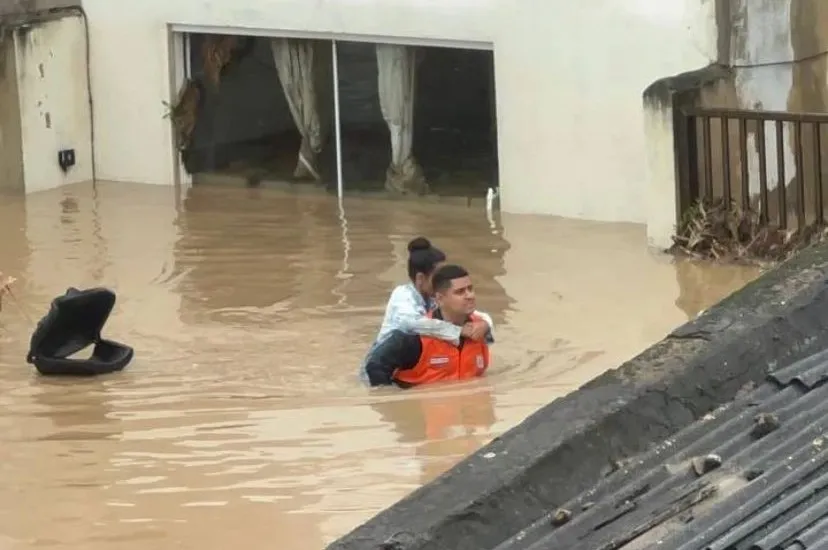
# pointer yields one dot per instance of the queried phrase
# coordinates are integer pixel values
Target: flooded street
(241, 420)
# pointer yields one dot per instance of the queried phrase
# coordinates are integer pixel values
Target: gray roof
(752, 475)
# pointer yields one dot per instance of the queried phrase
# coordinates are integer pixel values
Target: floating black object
(75, 321)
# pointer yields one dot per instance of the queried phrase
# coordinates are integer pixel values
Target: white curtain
(396, 81)
(304, 68)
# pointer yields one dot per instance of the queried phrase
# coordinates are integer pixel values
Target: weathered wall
(663, 101)
(778, 50)
(11, 137)
(55, 113)
(776, 53)
(762, 41)
(45, 106)
(24, 7)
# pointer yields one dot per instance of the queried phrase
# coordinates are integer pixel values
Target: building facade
(574, 137)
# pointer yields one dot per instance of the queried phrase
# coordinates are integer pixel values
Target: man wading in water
(409, 305)
(407, 360)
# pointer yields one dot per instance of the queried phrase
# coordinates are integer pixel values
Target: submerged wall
(54, 101)
(131, 58)
(573, 136)
(45, 101)
(568, 74)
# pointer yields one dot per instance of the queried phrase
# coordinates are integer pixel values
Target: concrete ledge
(22, 8)
(665, 133)
(565, 447)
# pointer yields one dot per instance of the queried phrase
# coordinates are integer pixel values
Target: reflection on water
(241, 419)
(441, 425)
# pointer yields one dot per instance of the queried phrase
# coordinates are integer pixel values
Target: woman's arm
(414, 322)
(410, 316)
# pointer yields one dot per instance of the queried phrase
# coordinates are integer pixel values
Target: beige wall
(569, 77)
(54, 104)
(569, 82)
(45, 104)
(131, 58)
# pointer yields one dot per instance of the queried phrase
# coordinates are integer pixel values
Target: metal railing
(769, 163)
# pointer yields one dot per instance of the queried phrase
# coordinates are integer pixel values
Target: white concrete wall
(569, 79)
(54, 103)
(660, 193)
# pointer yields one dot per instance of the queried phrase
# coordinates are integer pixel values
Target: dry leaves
(712, 230)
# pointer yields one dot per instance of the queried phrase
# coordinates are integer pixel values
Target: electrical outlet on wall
(66, 159)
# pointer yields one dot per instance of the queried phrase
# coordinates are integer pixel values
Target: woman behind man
(410, 303)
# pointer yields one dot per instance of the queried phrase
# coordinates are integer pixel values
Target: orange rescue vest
(441, 360)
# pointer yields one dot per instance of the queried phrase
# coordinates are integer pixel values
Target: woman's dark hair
(423, 257)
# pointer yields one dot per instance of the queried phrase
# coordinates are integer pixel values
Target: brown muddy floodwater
(241, 420)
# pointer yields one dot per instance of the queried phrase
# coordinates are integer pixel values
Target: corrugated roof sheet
(752, 475)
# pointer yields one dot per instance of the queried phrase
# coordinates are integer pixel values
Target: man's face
(458, 300)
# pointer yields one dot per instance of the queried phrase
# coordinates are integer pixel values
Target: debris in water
(74, 322)
(704, 464)
(714, 230)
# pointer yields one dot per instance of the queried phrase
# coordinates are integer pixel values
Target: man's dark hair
(422, 257)
(442, 278)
